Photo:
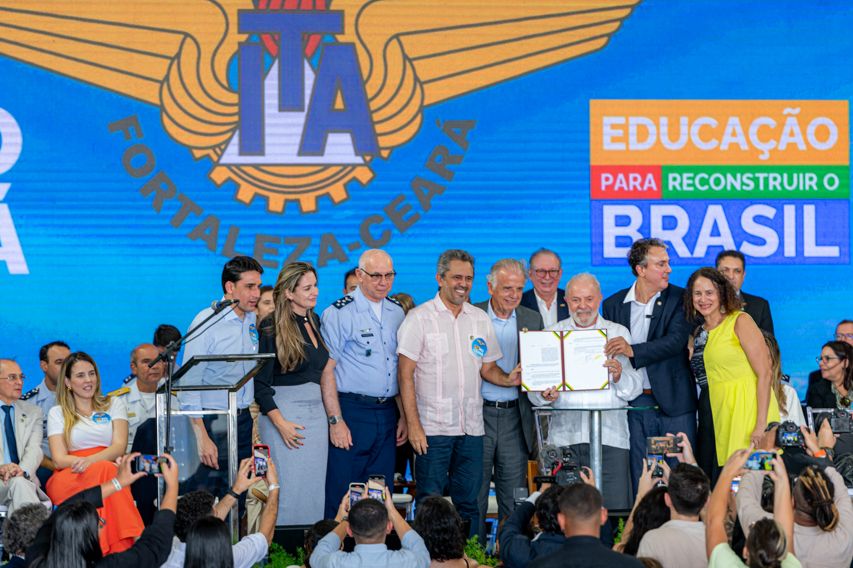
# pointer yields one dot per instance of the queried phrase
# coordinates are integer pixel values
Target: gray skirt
(301, 472)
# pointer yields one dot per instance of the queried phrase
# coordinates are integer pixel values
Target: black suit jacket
(664, 354)
(586, 551)
(528, 300)
(820, 395)
(531, 320)
(759, 309)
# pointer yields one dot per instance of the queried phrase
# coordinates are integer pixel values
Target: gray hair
(507, 265)
(450, 255)
(581, 277)
(20, 528)
(543, 250)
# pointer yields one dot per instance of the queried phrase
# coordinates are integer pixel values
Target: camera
(840, 422)
(559, 465)
(788, 435)
(148, 464)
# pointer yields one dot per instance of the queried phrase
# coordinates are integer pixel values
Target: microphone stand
(169, 355)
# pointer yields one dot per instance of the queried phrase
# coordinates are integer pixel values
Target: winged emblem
(412, 54)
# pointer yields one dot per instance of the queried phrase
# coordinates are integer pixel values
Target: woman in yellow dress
(736, 364)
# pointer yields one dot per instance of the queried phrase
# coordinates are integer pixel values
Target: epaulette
(393, 300)
(128, 378)
(341, 302)
(119, 392)
(30, 394)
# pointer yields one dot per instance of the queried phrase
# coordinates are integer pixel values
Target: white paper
(584, 359)
(541, 363)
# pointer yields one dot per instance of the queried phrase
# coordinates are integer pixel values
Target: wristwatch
(335, 419)
(233, 493)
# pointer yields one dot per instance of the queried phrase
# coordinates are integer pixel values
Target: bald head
(147, 377)
(373, 256)
(375, 274)
(583, 296)
(11, 381)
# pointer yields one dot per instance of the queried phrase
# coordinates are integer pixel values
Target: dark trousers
(457, 462)
(144, 490)
(216, 480)
(373, 428)
(706, 444)
(505, 454)
(645, 423)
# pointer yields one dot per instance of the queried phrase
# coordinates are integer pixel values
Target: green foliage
(475, 551)
(280, 558)
(620, 529)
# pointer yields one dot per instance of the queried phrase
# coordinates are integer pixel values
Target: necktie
(10, 434)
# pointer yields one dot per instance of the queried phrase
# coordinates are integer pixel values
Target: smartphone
(356, 490)
(735, 484)
(261, 457)
(662, 445)
(376, 487)
(147, 463)
(654, 461)
(760, 461)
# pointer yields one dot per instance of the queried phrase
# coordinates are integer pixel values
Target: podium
(226, 374)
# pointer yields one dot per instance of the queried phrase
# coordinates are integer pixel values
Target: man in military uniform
(360, 389)
(139, 395)
(51, 358)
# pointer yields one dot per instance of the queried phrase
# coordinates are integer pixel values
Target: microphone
(219, 305)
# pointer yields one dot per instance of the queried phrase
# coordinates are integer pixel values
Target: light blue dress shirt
(45, 399)
(506, 331)
(225, 334)
(363, 347)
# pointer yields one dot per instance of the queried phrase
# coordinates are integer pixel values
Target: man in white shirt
(583, 295)
(680, 542)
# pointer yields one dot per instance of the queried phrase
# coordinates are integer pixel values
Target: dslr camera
(788, 435)
(840, 421)
(559, 465)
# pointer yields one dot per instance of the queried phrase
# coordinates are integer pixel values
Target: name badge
(479, 347)
(101, 418)
(253, 333)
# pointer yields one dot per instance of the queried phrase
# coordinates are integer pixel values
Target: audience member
(88, 432)
(196, 506)
(732, 265)
(312, 536)
(369, 522)
(164, 335)
(139, 397)
(581, 516)
(69, 538)
(507, 415)
(360, 389)
(19, 532)
(21, 441)
(770, 539)
(293, 422)
(51, 357)
(836, 370)
(350, 281)
(653, 311)
(650, 512)
(546, 297)
(681, 540)
(786, 396)
(843, 332)
(266, 304)
(231, 332)
(517, 548)
(438, 523)
(446, 347)
(583, 295)
(731, 363)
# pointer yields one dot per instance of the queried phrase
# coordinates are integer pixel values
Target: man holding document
(585, 378)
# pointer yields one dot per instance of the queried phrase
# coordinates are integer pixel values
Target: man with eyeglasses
(21, 441)
(546, 297)
(843, 332)
(360, 391)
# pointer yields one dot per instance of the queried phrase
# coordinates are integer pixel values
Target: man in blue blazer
(653, 311)
(546, 270)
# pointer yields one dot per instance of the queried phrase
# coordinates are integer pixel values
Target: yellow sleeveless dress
(732, 389)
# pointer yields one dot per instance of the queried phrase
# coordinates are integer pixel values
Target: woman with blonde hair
(87, 432)
(293, 421)
(786, 396)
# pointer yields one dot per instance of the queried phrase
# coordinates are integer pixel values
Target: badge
(101, 418)
(253, 333)
(478, 347)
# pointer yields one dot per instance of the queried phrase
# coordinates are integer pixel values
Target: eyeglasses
(843, 336)
(377, 277)
(826, 359)
(542, 273)
(14, 378)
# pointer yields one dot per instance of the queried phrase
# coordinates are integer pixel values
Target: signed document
(566, 360)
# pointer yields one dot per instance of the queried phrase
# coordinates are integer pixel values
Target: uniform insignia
(128, 378)
(394, 300)
(341, 302)
(119, 392)
(30, 394)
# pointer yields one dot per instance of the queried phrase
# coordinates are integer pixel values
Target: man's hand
(343, 508)
(10, 470)
(735, 464)
(686, 454)
(587, 476)
(810, 439)
(170, 471)
(618, 346)
(340, 435)
(550, 394)
(514, 376)
(418, 439)
(289, 435)
(402, 431)
(124, 475)
(272, 472)
(245, 479)
(208, 453)
(615, 368)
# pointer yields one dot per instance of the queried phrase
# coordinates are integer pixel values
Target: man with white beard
(583, 295)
